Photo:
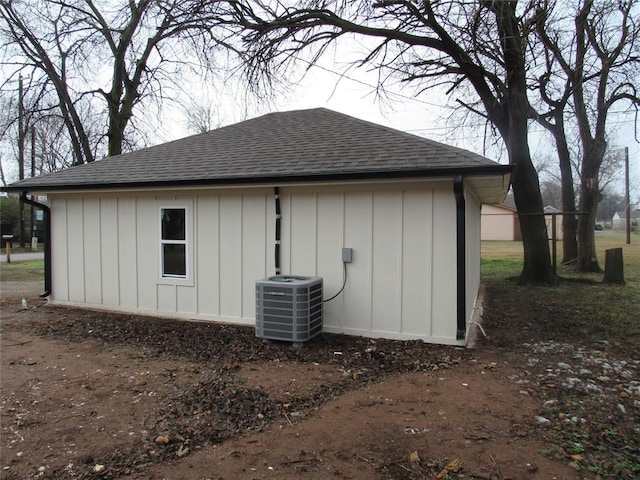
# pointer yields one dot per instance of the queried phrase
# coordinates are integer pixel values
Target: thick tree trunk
(117, 123)
(514, 129)
(526, 191)
(537, 266)
(115, 136)
(587, 260)
(589, 198)
(569, 222)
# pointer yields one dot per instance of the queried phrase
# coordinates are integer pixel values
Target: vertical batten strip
(100, 246)
(317, 241)
(195, 221)
(432, 246)
(371, 258)
(401, 262)
(135, 240)
(239, 259)
(218, 289)
(117, 230)
(66, 246)
(84, 258)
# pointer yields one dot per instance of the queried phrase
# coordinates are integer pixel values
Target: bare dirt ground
(96, 395)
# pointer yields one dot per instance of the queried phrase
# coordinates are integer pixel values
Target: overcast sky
(354, 94)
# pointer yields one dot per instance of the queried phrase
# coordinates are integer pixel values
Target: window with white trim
(173, 242)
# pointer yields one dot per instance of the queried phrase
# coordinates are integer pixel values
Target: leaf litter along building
(186, 228)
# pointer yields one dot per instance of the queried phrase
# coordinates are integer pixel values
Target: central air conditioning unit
(289, 308)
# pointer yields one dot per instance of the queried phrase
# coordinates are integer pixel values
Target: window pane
(174, 260)
(173, 223)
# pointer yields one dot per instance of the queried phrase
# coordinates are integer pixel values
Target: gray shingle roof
(310, 145)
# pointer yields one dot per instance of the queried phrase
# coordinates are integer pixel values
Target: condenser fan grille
(289, 308)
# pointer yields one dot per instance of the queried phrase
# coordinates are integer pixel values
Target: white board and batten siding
(473, 244)
(112, 259)
(400, 284)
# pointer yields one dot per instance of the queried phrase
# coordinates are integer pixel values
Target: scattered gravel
(591, 404)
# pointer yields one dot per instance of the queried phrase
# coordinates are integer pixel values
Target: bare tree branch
(141, 46)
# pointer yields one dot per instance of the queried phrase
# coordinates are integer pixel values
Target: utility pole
(33, 174)
(21, 133)
(627, 200)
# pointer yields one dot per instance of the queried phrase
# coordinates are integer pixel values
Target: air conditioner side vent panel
(289, 308)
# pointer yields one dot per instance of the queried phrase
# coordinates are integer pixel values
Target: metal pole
(627, 199)
(21, 154)
(33, 174)
(553, 245)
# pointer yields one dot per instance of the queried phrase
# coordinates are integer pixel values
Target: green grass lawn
(586, 309)
(502, 257)
(22, 271)
(18, 249)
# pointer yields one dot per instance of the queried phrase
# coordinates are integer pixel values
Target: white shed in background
(185, 229)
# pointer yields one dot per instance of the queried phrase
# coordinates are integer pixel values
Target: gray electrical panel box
(289, 308)
(347, 255)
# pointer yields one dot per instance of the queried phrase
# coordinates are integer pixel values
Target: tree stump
(613, 266)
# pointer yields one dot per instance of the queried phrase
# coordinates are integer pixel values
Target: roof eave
(267, 179)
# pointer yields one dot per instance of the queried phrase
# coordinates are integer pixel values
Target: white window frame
(187, 242)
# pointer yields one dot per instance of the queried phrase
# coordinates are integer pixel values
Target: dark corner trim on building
(47, 241)
(461, 260)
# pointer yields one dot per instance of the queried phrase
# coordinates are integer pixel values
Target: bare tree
(3, 179)
(5, 134)
(551, 192)
(52, 151)
(555, 95)
(481, 45)
(599, 57)
(610, 204)
(201, 116)
(40, 133)
(103, 59)
(31, 50)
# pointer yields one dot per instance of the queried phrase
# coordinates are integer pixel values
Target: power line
(424, 102)
(374, 87)
(537, 129)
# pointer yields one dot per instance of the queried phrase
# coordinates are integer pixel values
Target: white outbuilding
(186, 228)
